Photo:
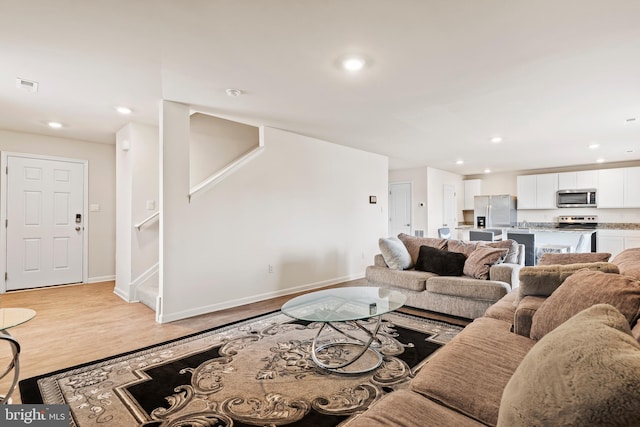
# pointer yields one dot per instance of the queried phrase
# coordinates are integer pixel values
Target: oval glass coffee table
(9, 318)
(344, 310)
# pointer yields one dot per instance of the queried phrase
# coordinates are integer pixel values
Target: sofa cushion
(468, 287)
(407, 279)
(573, 258)
(395, 253)
(503, 309)
(523, 317)
(481, 259)
(584, 373)
(510, 245)
(470, 372)
(462, 247)
(413, 244)
(409, 409)
(543, 280)
(440, 262)
(582, 290)
(628, 261)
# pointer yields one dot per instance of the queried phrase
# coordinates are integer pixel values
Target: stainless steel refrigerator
(494, 211)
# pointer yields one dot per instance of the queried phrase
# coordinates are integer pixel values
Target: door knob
(78, 228)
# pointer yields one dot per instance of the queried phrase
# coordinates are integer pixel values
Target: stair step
(147, 294)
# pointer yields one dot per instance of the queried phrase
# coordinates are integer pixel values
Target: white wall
(418, 179)
(436, 179)
(101, 159)
(301, 206)
(498, 183)
(137, 182)
(216, 142)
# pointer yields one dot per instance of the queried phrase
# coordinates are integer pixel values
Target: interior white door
(399, 208)
(45, 203)
(449, 206)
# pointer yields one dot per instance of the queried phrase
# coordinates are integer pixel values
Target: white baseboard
(99, 279)
(171, 317)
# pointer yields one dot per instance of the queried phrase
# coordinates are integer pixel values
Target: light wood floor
(79, 323)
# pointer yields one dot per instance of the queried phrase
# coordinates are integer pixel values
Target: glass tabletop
(10, 317)
(342, 304)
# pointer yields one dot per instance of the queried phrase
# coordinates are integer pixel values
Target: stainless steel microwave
(585, 198)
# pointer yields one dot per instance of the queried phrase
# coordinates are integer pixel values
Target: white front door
(45, 222)
(399, 208)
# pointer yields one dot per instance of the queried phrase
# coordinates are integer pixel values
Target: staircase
(148, 293)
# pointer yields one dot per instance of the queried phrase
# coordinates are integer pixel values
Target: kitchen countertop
(550, 226)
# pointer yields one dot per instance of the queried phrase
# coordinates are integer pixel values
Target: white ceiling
(549, 76)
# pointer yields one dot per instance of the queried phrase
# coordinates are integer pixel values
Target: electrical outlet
(270, 268)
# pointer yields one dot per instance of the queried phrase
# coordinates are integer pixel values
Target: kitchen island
(547, 239)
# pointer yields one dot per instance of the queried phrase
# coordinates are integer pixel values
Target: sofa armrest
(506, 272)
(523, 317)
(378, 260)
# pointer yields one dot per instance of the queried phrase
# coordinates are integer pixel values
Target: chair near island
(529, 242)
(444, 233)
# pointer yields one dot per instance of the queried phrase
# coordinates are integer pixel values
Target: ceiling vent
(28, 85)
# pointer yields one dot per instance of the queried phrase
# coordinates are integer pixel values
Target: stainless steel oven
(581, 223)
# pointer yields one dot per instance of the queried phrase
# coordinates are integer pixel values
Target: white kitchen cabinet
(537, 191)
(631, 187)
(546, 188)
(567, 181)
(526, 192)
(472, 188)
(586, 179)
(615, 241)
(610, 188)
(577, 180)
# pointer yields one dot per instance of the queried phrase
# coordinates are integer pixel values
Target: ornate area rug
(257, 372)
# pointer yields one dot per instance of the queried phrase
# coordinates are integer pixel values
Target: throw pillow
(510, 245)
(628, 261)
(395, 253)
(413, 244)
(480, 261)
(584, 373)
(462, 247)
(582, 290)
(573, 258)
(542, 280)
(442, 263)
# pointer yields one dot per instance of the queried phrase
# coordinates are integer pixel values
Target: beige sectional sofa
(562, 350)
(464, 296)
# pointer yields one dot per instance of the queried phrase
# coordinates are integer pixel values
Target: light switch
(94, 207)
(151, 205)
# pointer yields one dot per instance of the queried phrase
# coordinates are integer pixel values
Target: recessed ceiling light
(459, 162)
(123, 110)
(234, 92)
(353, 63)
(487, 171)
(496, 139)
(54, 125)
(601, 160)
(593, 146)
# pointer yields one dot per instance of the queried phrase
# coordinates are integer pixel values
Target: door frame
(4, 161)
